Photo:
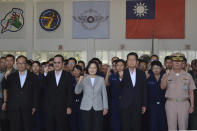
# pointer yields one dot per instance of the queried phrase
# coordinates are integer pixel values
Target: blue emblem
(140, 9)
(50, 20)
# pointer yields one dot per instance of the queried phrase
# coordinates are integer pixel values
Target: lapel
(137, 78)
(61, 79)
(27, 78)
(53, 78)
(90, 83)
(18, 80)
(129, 78)
(95, 81)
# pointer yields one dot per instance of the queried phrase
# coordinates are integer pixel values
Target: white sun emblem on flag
(140, 9)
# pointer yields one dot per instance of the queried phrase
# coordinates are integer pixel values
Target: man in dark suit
(7, 70)
(20, 97)
(133, 97)
(58, 96)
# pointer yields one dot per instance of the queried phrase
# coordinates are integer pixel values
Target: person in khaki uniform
(179, 87)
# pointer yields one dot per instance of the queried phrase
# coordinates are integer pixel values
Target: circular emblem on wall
(50, 20)
(90, 19)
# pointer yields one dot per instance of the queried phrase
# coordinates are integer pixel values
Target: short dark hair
(97, 60)
(50, 59)
(44, 63)
(72, 58)
(167, 58)
(10, 55)
(120, 60)
(21, 56)
(195, 61)
(132, 54)
(115, 57)
(58, 55)
(36, 62)
(92, 62)
(157, 63)
(29, 62)
(65, 62)
(81, 62)
(142, 61)
(3, 57)
(78, 67)
(154, 55)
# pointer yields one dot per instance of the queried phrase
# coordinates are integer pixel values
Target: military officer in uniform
(179, 95)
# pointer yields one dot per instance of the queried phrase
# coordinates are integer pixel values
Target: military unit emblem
(50, 20)
(90, 19)
(13, 21)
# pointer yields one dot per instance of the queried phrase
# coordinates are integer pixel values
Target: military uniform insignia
(50, 20)
(185, 87)
(184, 78)
(13, 21)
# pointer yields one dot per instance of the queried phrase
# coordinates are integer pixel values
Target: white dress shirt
(92, 81)
(22, 78)
(57, 77)
(133, 77)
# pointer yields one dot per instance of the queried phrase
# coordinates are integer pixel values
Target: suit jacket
(58, 97)
(24, 98)
(133, 96)
(93, 96)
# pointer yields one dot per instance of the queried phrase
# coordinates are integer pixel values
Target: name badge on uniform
(185, 83)
(185, 87)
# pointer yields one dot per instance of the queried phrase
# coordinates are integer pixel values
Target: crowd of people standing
(136, 94)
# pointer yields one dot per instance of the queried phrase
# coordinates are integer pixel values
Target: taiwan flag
(161, 19)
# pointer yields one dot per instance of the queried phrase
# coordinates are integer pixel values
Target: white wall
(117, 33)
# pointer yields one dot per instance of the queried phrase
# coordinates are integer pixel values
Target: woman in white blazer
(94, 102)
